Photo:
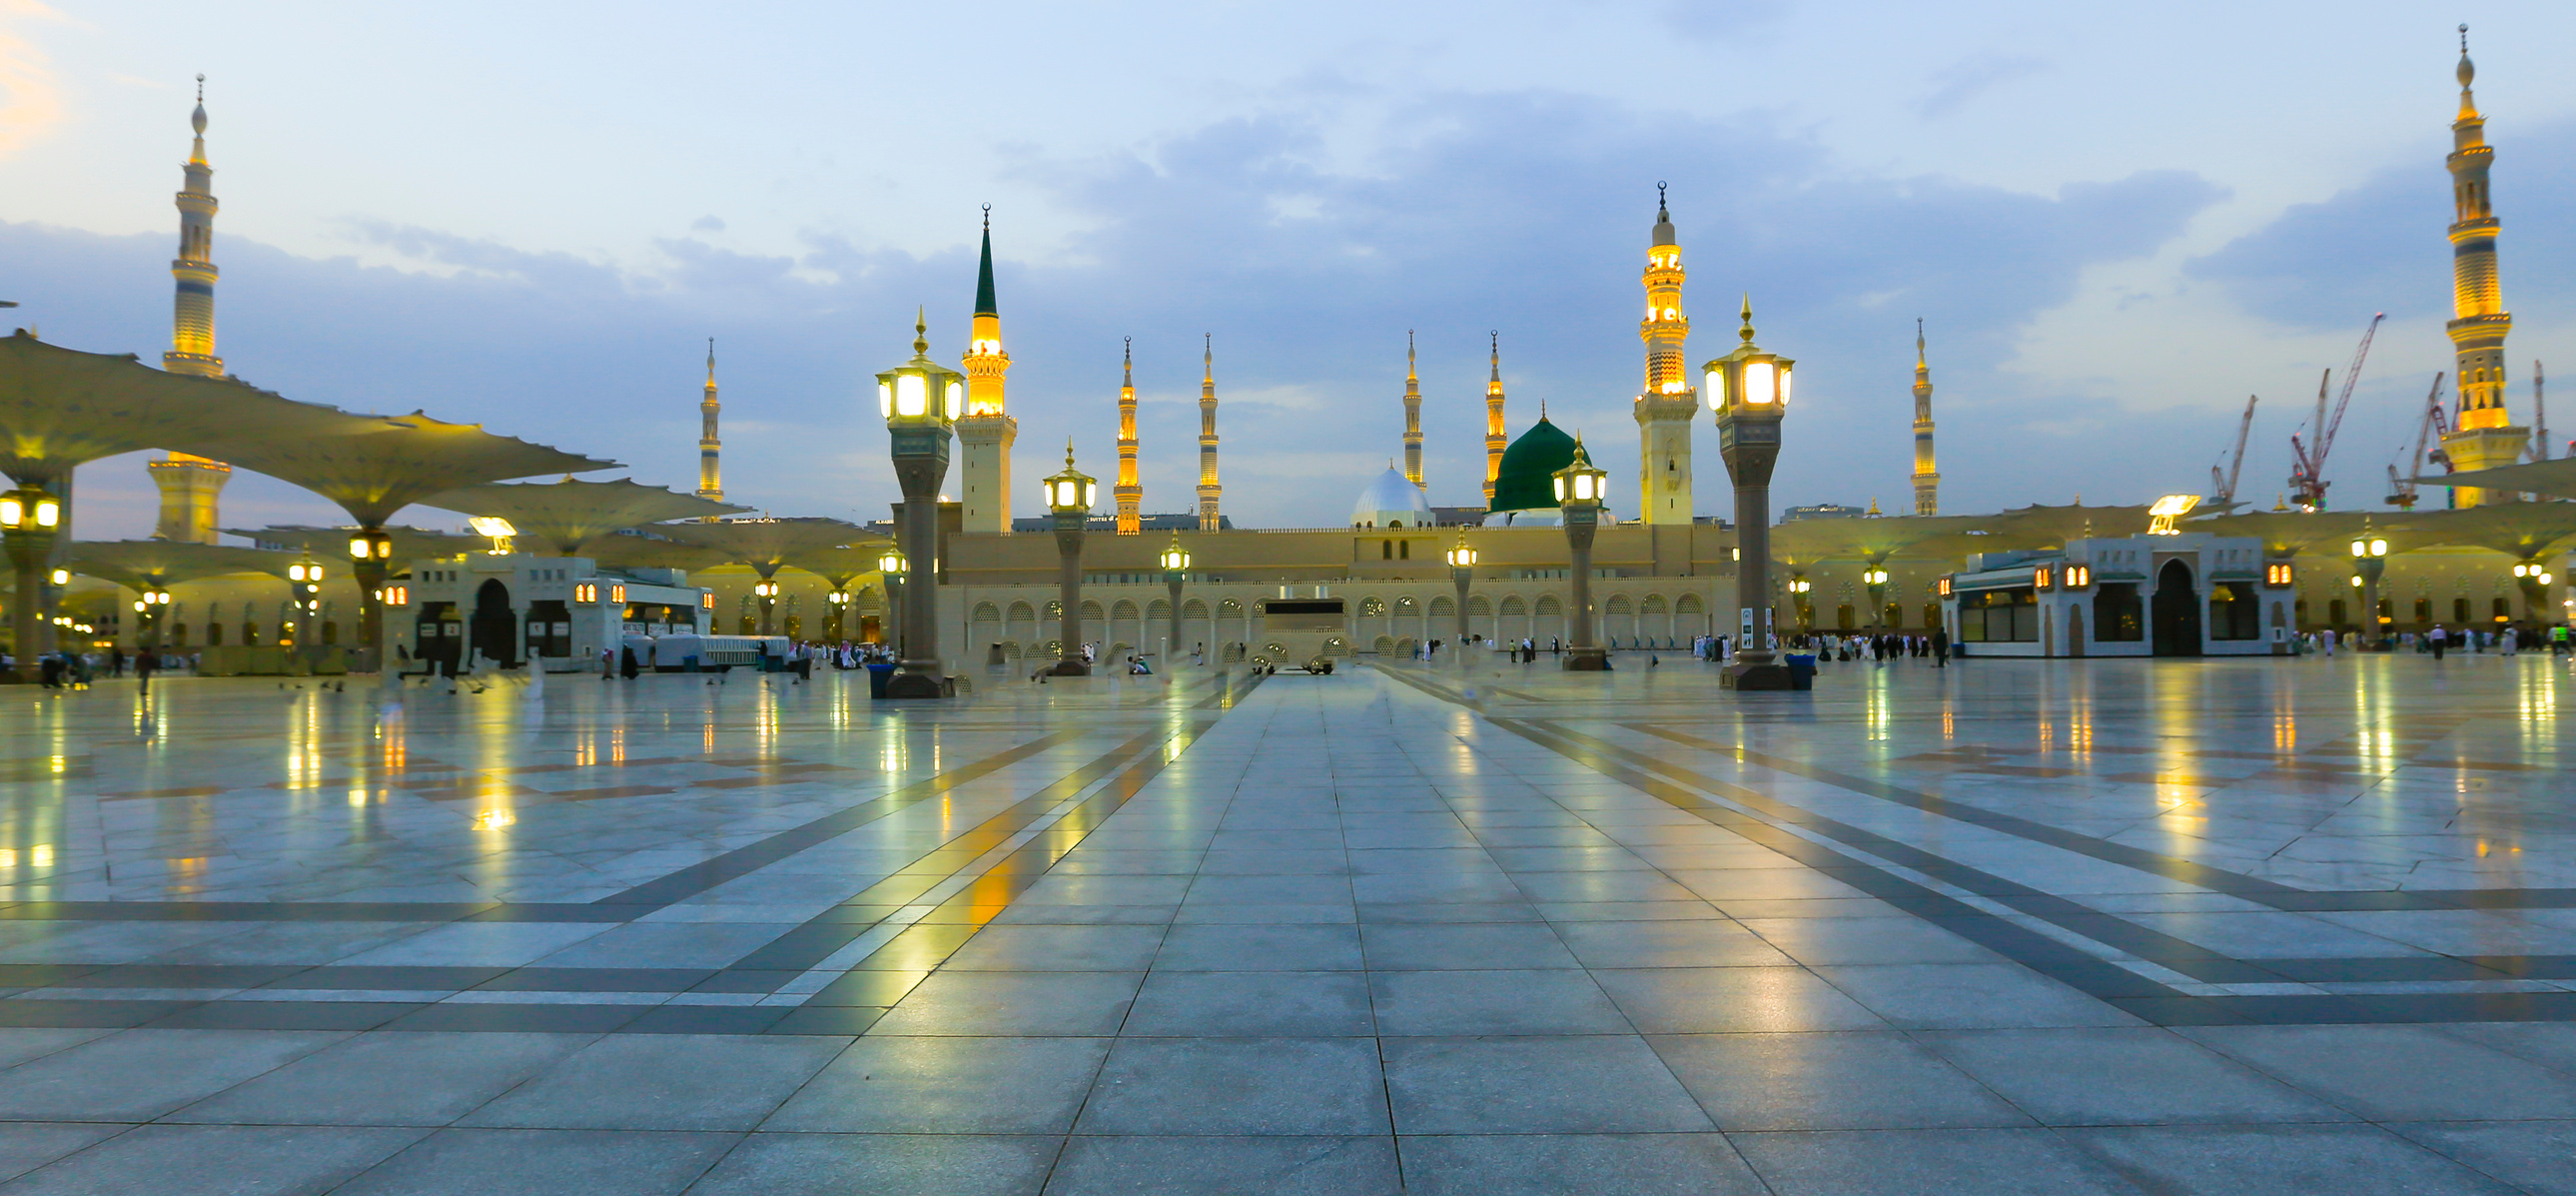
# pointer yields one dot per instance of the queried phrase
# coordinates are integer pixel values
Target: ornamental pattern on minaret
(1495, 440)
(1209, 490)
(1130, 492)
(192, 325)
(985, 430)
(2479, 321)
(710, 472)
(2485, 436)
(1927, 477)
(1412, 416)
(190, 485)
(1668, 402)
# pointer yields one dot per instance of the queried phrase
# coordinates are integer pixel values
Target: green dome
(1527, 480)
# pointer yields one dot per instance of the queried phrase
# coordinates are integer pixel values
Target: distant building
(1822, 510)
(1186, 521)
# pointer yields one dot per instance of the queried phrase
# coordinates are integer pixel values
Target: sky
(2116, 225)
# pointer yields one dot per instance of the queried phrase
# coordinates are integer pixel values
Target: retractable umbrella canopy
(766, 544)
(329, 543)
(2555, 478)
(375, 471)
(838, 563)
(567, 515)
(60, 408)
(160, 564)
(618, 551)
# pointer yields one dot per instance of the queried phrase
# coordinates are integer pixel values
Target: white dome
(1391, 501)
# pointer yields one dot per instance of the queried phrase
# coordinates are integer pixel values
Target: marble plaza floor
(2009, 927)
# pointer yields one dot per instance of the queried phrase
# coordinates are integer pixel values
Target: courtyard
(2233, 926)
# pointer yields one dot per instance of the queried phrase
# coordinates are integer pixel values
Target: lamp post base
(1587, 660)
(919, 685)
(1766, 675)
(1068, 668)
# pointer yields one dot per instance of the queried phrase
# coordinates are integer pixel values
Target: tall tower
(190, 485)
(1667, 404)
(1130, 492)
(1927, 479)
(710, 477)
(1412, 417)
(1208, 488)
(985, 433)
(1494, 439)
(2486, 436)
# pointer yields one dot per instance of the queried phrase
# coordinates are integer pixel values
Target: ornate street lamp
(2369, 561)
(1462, 569)
(837, 626)
(29, 518)
(2533, 578)
(767, 591)
(921, 400)
(1176, 565)
(1749, 391)
(1799, 588)
(1069, 495)
(1876, 579)
(148, 610)
(891, 566)
(304, 577)
(371, 554)
(1579, 489)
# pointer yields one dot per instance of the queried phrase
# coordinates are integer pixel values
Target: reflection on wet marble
(2063, 927)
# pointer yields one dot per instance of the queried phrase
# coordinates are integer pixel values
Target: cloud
(31, 102)
(1954, 85)
(1525, 212)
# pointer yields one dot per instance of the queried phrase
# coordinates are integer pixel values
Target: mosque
(1664, 572)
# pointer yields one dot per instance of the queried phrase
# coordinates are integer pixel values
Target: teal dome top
(1527, 479)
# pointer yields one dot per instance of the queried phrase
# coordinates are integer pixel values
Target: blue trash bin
(1802, 670)
(878, 672)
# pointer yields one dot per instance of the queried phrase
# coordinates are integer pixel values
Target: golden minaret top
(1495, 442)
(1412, 416)
(1130, 492)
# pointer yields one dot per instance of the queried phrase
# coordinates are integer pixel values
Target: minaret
(1208, 488)
(189, 485)
(710, 476)
(1494, 439)
(985, 433)
(2486, 436)
(1412, 417)
(1927, 479)
(1668, 403)
(1130, 492)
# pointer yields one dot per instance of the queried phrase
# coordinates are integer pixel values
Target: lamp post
(1749, 390)
(2534, 580)
(921, 400)
(304, 578)
(148, 610)
(1799, 588)
(836, 627)
(371, 554)
(891, 567)
(1462, 569)
(1578, 497)
(2369, 561)
(1069, 496)
(1876, 579)
(767, 591)
(29, 517)
(1176, 565)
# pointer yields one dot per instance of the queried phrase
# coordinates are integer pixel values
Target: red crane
(2308, 467)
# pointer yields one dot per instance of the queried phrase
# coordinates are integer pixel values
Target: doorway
(2176, 611)
(495, 628)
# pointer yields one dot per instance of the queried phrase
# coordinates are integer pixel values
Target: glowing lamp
(891, 563)
(920, 394)
(1072, 491)
(1462, 557)
(1175, 559)
(1579, 483)
(60, 577)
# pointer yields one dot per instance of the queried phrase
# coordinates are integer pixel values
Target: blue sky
(2117, 224)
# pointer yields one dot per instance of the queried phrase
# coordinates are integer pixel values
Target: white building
(2192, 594)
(558, 610)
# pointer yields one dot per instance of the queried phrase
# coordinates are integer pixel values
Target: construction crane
(2308, 466)
(2223, 484)
(2429, 432)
